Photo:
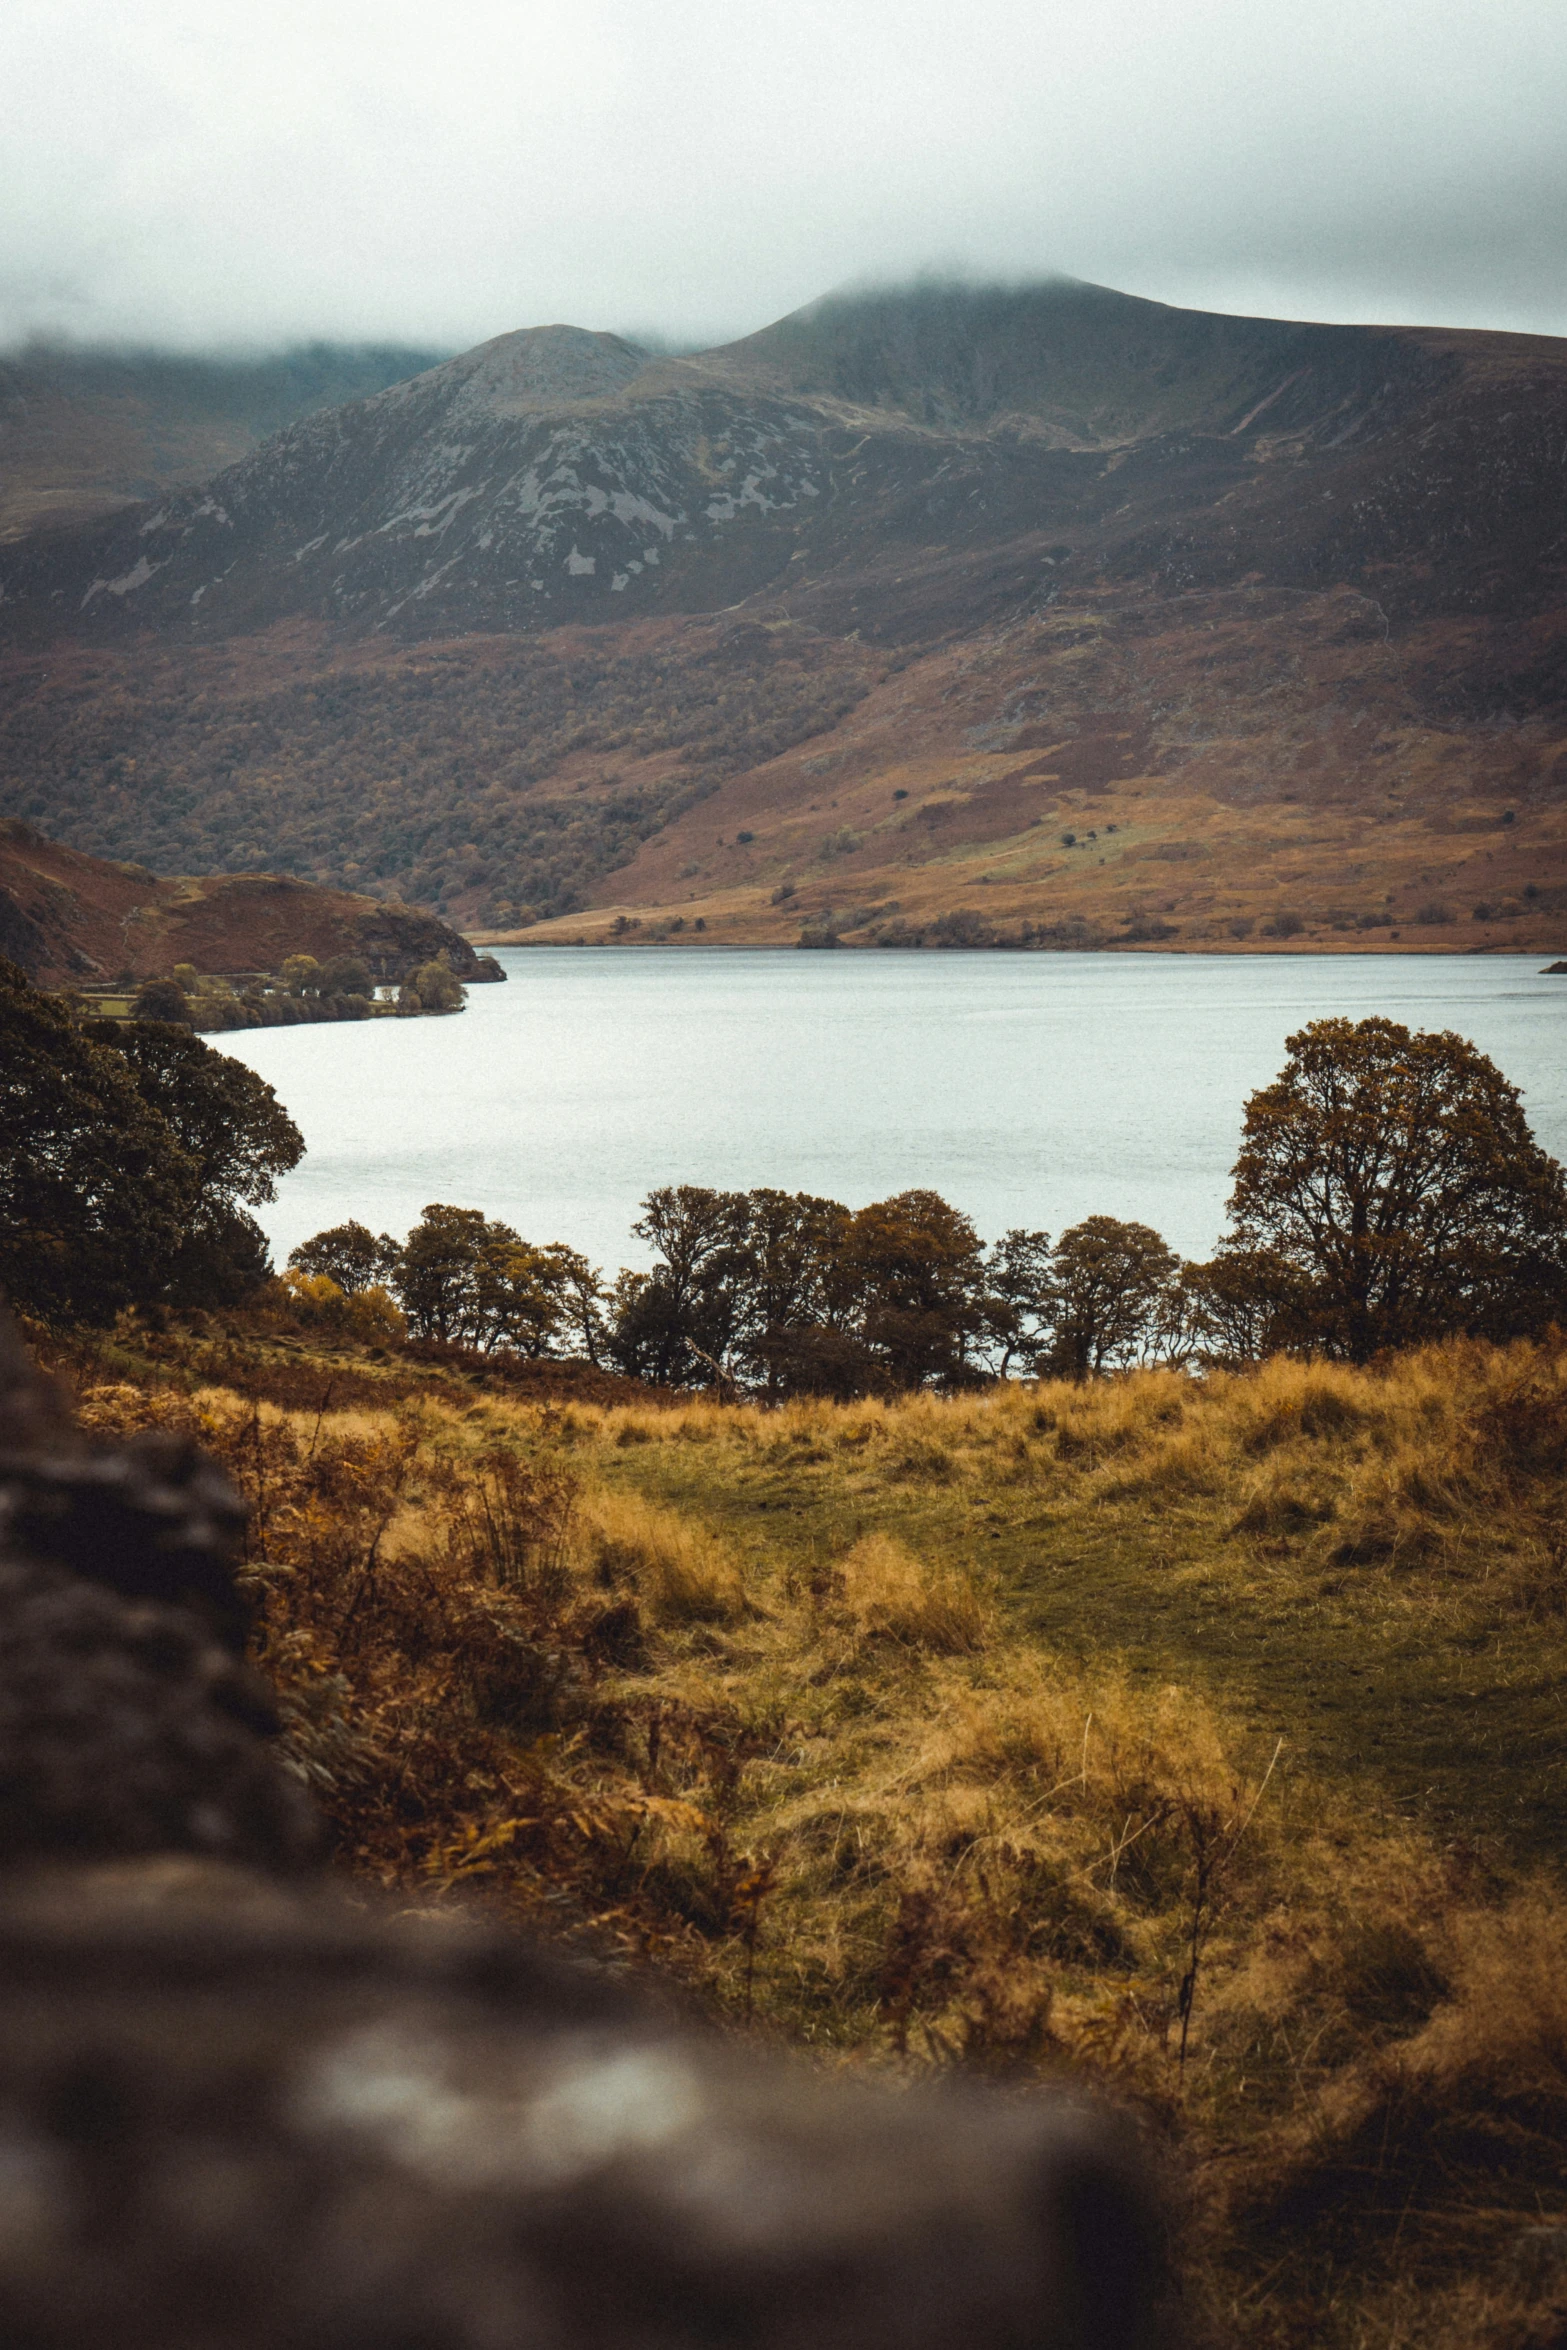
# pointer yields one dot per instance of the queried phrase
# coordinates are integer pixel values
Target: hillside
(848, 626)
(84, 432)
(72, 920)
(1202, 1736)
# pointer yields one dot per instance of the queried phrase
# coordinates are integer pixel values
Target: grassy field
(1199, 1735)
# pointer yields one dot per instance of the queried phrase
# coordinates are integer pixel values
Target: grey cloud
(374, 168)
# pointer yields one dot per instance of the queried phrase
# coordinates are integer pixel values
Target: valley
(87, 432)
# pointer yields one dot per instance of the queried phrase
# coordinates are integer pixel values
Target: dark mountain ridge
(1084, 366)
(556, 474)
(543, 628)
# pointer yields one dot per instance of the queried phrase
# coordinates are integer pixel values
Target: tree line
(342, 988)
(779, 1293)
(1388, 1190)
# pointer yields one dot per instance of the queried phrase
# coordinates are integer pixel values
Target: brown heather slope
(71, 920)
(1243, 757)
(870, 609)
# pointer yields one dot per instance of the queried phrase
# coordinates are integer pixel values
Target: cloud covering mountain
(377, 170)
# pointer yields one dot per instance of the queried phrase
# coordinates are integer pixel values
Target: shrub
(344, 975)
(1460, 2123)
(368, 1316)
(432, 988)
(161, 999)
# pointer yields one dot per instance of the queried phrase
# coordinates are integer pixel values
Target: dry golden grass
(889, 1593)
(1043, 1726)
(675, 1568)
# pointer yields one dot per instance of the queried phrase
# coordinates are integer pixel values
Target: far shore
(560, 934)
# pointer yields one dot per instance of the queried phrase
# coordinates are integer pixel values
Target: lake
(1028, 1089)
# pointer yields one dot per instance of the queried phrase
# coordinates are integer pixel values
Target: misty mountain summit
(556, 474)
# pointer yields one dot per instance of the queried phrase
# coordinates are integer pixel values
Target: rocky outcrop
(239, 2117)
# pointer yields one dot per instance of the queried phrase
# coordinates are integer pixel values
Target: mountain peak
(540, 367)
(1090, 367)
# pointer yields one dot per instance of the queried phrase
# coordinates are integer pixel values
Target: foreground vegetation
(1191, 1720)
(1201, 1733)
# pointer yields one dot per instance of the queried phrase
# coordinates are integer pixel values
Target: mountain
(550, 471)
(936, 615)
(84, 432)
(73, 921)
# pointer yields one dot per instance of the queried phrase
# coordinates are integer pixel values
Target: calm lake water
(1029, 1089)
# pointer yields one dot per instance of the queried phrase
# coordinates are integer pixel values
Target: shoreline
(1235, 951)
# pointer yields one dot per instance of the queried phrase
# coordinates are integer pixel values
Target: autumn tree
(342, 975)
(301, 974)
(368, 1316)
(239, 1140)
(1241, 1306)
(1395, 1179)
(1110, 1283)
(161, 999)
(464, 1279)
(578, 1295)
(350, 1254)
(95, 1188)
(678, 1323)
(1019, 1299)
(436, 1275)
(432, 988)
(794, 1333)
(225, 1115)
(916, 1268)
(800, 1294)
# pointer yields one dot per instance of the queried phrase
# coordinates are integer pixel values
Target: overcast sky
(438, 171)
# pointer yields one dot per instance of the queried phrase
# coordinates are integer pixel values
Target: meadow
(1199, 1736)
